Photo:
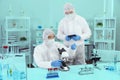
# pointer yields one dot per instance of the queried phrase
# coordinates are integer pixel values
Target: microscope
(65, 60)
(95, 57)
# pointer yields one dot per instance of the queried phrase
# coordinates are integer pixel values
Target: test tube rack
(86, 70)
(52, 73)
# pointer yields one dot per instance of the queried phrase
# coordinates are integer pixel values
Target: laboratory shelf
(38, 36)
(17, 35)
(108, 41)
(105, 33)
(104, 28)
(17, 30)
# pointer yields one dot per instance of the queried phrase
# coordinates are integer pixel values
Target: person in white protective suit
(47, 55)
(73, 30)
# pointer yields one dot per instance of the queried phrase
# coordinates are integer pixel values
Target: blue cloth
(73, 46)
(56, 63)
(76, 38)
(67, 38)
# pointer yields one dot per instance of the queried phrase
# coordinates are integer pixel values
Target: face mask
(70, 16)
(50, 42)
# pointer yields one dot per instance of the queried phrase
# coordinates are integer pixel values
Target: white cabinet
(105, 33)
(17, 35)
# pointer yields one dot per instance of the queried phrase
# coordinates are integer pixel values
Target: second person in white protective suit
(47, 55)
(73, 30)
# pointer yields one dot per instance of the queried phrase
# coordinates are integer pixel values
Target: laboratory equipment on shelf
(105, 33)
(5, 49)
(18, 35)
(38, 33)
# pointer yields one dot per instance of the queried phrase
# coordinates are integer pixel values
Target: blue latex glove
(56, 63)
(67, 38)
(73, 46)
(76, 38)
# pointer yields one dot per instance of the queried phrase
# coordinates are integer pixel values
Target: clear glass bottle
(10, 10)
(115, 62)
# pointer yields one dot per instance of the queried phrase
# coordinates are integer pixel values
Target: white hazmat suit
(47, 52)
(74, 24)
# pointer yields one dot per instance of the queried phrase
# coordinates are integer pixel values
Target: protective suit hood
(46, 33)
(68, 6)
(69, 11)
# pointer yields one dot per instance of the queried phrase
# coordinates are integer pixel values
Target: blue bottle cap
(39, 27)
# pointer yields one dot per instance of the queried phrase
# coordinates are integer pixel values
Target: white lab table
(40, 74)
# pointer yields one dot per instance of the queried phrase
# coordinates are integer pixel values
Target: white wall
(38, 10)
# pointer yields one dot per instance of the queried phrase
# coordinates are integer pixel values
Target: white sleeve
(39, 59)
(60, 33)
(86, 32)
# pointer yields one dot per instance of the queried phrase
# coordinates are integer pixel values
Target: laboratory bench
(99, 73)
